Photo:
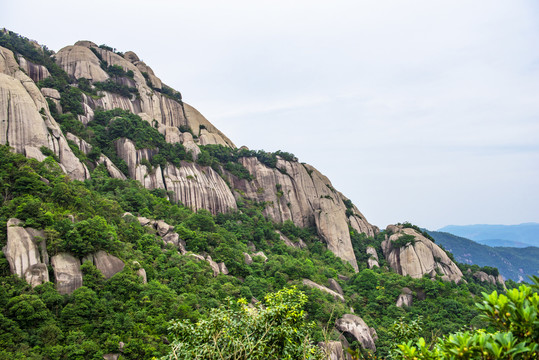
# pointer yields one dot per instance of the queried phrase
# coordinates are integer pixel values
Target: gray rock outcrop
(334, 285)
(247, 258)
(484, 277)
(300, 244)
(25, 120)
(405, 298)
(25, 256)
(67, 273)
(422, 257)
(372, 261)
(300, 193)
(109, 265)
(34, 71)
(314, 285)
(333, 350)
(193, 185)
(358, 329)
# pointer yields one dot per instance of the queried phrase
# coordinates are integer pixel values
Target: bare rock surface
(405, 298)
(67, 273)
(300, 244)
(300, 193)
(26, 122)
(422, 257)
(334, 285)
(314, 285)
(222, 268)
(214, 266)
(25, 256)
(355, 326)
(262, 255)
(333, 350)
(373, 257)
(109, 265)
(247, 258)
(34, 71)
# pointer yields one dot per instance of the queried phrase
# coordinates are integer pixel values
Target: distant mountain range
(519, 236)
(514, 263)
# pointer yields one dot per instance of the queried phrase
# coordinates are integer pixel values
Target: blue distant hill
(521, 235)
(513, 262)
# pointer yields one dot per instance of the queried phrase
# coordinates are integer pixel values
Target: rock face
(405, 298)
(416, 260)
(25, 257)
(300, 193)
(34, 71)
(334, 285)
(484, 277)
(358, 329)
(314, 285)
(67, 273)
(25, 120)
(300, 244)
(109, 265)
(80, 61)
(334, 350)
(373, 257)
(195, 186)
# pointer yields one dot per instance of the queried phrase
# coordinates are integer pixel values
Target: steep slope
(103, 80)
(26, 123)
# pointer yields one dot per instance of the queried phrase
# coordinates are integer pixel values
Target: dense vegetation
(39, 323)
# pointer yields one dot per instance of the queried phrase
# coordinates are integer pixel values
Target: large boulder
(314, 285)
(67, 273)
(419, 256)
(333, 350)
(354, 326)
(26, 253)
(109, 265)
(372, 261)
(405, 298)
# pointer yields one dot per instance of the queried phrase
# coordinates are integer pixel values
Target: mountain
(513, 263)
(521, 235)
(124, 209)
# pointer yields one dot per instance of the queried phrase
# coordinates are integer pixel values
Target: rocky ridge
(419, 256)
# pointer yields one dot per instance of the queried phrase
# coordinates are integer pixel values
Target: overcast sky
(421, 111)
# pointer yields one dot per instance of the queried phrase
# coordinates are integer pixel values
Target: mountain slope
(513, 263)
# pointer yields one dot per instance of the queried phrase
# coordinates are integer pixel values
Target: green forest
(182, 299)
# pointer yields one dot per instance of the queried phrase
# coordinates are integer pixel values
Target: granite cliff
(292, 190)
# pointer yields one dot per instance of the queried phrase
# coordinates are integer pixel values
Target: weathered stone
(67, 273)
(214, 266)
(334, 285)
(80, 62)
(333, 350)
(27, 257)
(163, 228)
(247, 258)
(198, 257)
(109, 265)
(373, 257)
(111, 356)
(34, 71)
(222, 268)
(50, 93)
(300, 244)
(141, 272)
(303, 195)
(172, 238)
(342, 277)
(23, 107)
(314, 285)
(405, 298)
(356, 327)
(144, 221)
(419, 258)
(262, 255)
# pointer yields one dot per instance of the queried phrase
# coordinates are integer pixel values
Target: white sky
(423, 111)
